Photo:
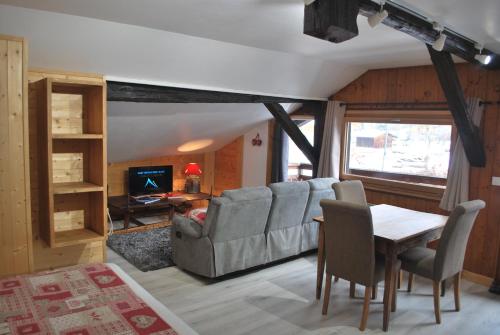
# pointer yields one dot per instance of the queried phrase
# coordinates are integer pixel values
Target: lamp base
(192, 185)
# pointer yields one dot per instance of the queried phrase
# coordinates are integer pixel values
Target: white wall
(255, 157)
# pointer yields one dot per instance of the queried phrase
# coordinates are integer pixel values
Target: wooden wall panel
(420, 84)
(15, 215)
(118, 172)
(229, 166)
(67, 166)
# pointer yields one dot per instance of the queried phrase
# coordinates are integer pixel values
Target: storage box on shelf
(72, 189)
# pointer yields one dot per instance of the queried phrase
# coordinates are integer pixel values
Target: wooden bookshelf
(72, 156)
(76, 187)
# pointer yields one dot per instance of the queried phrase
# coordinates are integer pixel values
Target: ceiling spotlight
(485, 59)
(438, 44)
(308, 2)
(375, 19)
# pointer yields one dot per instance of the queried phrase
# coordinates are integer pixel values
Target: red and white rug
(80, 300)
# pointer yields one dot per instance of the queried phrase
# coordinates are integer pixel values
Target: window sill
(414, 190)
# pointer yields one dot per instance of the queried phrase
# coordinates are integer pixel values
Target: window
(299, 167)
(403, 149)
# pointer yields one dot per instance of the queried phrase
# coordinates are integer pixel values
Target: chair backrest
(350, 191)
(289, 204)
(451, 248)
(349, 241)
(238, 213)
(320, 188)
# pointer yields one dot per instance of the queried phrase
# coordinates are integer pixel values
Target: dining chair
(447, 260)
(350, 249)
(350, 191)
(354, 192)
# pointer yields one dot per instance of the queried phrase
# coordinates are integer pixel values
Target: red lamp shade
(192, 169)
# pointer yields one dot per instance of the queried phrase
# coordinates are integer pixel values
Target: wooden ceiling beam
(332, 20)
(285, 122)
(323, 19)
(121, 91)
(469, 134)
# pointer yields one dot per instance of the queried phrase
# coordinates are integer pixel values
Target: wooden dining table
(395, 230)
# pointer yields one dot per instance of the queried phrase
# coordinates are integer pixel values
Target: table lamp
(193, 173)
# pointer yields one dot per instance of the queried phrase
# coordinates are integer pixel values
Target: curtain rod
(429, 105)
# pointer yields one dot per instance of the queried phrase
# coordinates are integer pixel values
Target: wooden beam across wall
(121, 91)
(284, 120)
(469, 134)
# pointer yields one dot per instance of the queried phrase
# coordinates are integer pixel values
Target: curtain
(329, 159)
(457, 185)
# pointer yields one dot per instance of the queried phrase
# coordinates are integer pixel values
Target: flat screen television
(149, 180)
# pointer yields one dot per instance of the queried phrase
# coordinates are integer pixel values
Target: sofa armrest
(187, 227)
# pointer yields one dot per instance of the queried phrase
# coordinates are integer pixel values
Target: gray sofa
(251, 226)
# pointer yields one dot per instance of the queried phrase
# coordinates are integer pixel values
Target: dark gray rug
(147, 250)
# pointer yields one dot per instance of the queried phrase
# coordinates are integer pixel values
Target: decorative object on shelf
(257, 141)
(193, 173)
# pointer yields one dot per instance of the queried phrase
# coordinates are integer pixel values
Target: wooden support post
(284, 120)
(469, 134)
(332, 20)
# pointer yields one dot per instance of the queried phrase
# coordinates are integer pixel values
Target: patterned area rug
(147, 250)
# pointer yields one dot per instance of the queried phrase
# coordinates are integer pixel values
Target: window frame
(404, 184)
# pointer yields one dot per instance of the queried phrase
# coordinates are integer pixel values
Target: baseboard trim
(477, 278)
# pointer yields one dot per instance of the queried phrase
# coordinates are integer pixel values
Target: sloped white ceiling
(142, 130)
(253, 46)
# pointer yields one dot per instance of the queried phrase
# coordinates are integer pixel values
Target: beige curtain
(329, 159)
(457, 185)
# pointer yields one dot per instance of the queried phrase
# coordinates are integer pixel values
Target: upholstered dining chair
(354, 192)
(447, 261)
(350, 249)
(350, 191)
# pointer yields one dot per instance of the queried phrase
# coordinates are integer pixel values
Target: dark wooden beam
(332, 20)
(417, 26)
(319, 128)
(469, 134)
(120, 91)
(285, 122)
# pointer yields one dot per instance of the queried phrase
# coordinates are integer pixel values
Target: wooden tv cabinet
(131, 210)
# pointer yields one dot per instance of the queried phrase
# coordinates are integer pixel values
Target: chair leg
(395, 294)
(326, 298)
(366, 308)
(443, 288)
(456, 286)
(437, 309)
(374, 291)
(410, 282)
(400, 278)
(352, 289)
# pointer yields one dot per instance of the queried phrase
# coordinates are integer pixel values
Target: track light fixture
(484, 59)
(438, 44)
(375, 19)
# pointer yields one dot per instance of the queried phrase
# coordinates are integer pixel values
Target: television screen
(149, 180)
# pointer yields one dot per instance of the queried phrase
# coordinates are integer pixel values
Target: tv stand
(131, 210)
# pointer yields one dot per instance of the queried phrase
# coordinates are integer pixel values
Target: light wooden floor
(280, 300)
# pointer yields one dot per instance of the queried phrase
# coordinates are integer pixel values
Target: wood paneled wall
(15, 216)
(229, 166)
(420, 84)
(44, 256)
(118, 172)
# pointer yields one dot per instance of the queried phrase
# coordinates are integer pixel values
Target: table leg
(390, 262)
(321, 260)
(126, 220)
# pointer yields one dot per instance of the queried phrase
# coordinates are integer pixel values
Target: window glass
(398, 148)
